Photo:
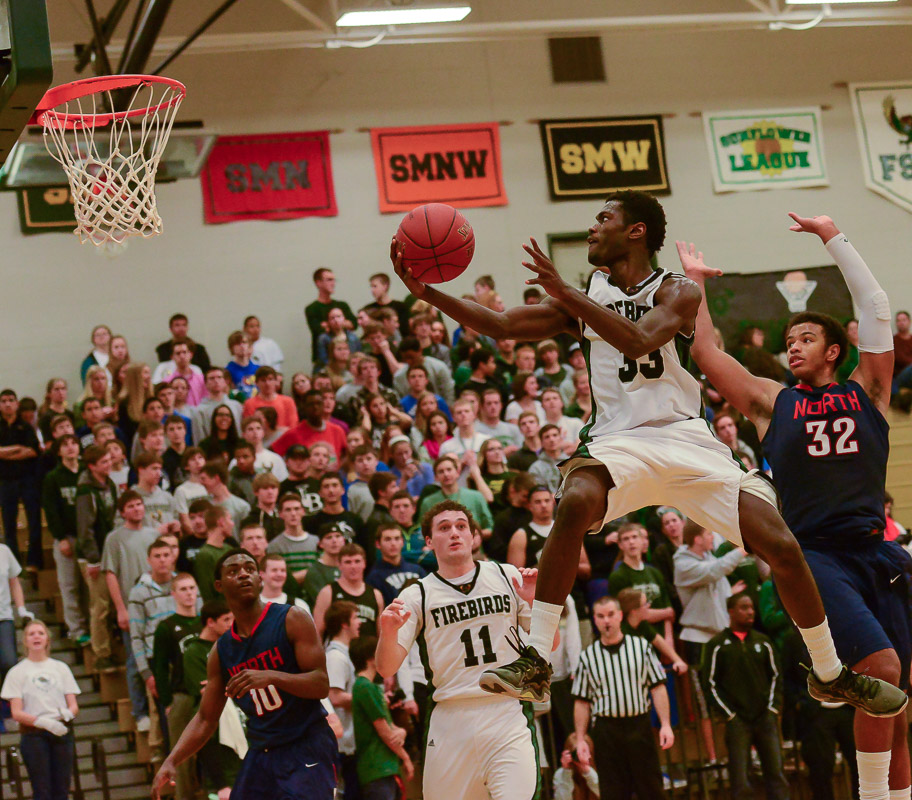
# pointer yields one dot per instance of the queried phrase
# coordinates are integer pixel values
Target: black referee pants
(626, 758)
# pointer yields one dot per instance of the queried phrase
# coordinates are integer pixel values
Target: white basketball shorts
(479, 749)
(679, 464)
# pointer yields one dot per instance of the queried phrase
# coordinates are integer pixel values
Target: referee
(615, 677)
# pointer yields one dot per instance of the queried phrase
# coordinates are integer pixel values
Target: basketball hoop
(108, 134)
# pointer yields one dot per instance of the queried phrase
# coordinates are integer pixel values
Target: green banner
(45, 209)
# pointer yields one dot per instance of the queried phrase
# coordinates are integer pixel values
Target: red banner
(269, 176)
(455, 164)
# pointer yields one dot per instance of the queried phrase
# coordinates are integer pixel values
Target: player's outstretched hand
(164, 778)
(415, 286)
(694, 266)
(666, 737)
(526, 589)
(546, 275)
(824, 227)
(248, 679)
(394, 616)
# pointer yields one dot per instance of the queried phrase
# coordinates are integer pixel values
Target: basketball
(438, 242)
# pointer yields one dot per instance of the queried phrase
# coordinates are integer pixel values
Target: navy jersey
(828, 448)
(274, 717)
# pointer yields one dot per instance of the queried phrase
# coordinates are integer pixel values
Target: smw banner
(770, 149)
(455, 164)
(588, 158)
(883, 122)
(46, 209)
(268, 176)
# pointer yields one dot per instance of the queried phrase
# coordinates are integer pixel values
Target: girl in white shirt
(42, 694)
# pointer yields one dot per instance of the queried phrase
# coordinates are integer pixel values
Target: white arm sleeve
(874, 332)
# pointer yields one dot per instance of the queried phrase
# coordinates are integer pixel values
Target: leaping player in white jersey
(646, 442)
(478, 745)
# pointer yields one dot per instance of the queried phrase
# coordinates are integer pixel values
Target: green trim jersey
(654, 390)
(462, 629)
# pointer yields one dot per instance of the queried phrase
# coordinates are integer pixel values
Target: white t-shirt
(41, 685)
(341, 673)
(166, 369)
(267, 353)
(282, 600)
(459, 446)
(9, 568)
(514, 409)
(186, 493)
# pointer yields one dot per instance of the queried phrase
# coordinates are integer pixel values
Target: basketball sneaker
(874, 696)
(527, 678)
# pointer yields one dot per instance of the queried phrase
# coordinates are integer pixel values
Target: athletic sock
(819, 643)
(901, 794)
(873, 775)
(545, 620)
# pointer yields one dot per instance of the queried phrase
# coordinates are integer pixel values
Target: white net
(111, 159)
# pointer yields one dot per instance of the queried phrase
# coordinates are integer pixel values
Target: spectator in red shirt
(267, 383)
(902, 343)
(313, 428)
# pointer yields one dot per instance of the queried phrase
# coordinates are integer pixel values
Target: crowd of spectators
(154, 470)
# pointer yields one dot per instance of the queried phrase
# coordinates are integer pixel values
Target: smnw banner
(269, 176)
(767, 149)
(883, 122)
(455, 164)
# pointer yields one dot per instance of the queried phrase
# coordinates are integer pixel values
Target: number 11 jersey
(652, 391)
(461, 630)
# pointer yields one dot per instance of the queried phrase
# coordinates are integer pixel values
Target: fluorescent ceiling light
(832, 2)
(402, 16)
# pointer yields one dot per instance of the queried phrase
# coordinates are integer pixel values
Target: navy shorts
(865, 590)
(305, 768)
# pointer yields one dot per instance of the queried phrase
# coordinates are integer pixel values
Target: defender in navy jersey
(272, 664)
(828, 445)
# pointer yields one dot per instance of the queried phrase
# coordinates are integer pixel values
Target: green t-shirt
(644, 630)
(375, 759)
(318, 575)
(471, 499)
(196, 657)
(204, 568)
(648, 579)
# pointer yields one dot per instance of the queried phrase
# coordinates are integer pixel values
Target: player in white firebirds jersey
(479, 745)
(646, 443)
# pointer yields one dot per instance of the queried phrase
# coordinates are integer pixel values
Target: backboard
(25, 66)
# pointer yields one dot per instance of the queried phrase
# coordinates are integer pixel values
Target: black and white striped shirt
(616, 679)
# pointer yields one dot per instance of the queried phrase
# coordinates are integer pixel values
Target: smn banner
(269, 176)
(455, 164)
(770, 149)
(46, 209)
(588, 158)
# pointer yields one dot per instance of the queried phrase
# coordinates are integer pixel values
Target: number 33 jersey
(654, 390)
(828, 447)
(274, 717)
(461, 629)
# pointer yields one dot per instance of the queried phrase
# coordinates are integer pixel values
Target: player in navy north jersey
(828, 444)
(271, 663)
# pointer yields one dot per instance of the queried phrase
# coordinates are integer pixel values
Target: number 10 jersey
(461, 630)
(654, 390)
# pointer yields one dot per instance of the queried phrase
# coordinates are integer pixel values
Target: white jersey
(652, 391)
(461, 630)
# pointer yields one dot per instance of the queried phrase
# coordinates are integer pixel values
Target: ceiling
(250, 25)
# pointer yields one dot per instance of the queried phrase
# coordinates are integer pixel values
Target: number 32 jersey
(654, 390)
(461, 630)
(828, 447)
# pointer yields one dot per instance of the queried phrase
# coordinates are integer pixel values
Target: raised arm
(199, 730)
(752, 396)
(391, 654)
(875, 336)
(524, 323)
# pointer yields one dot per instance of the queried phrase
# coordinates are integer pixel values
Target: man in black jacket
(743, 680)
(19, 450)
